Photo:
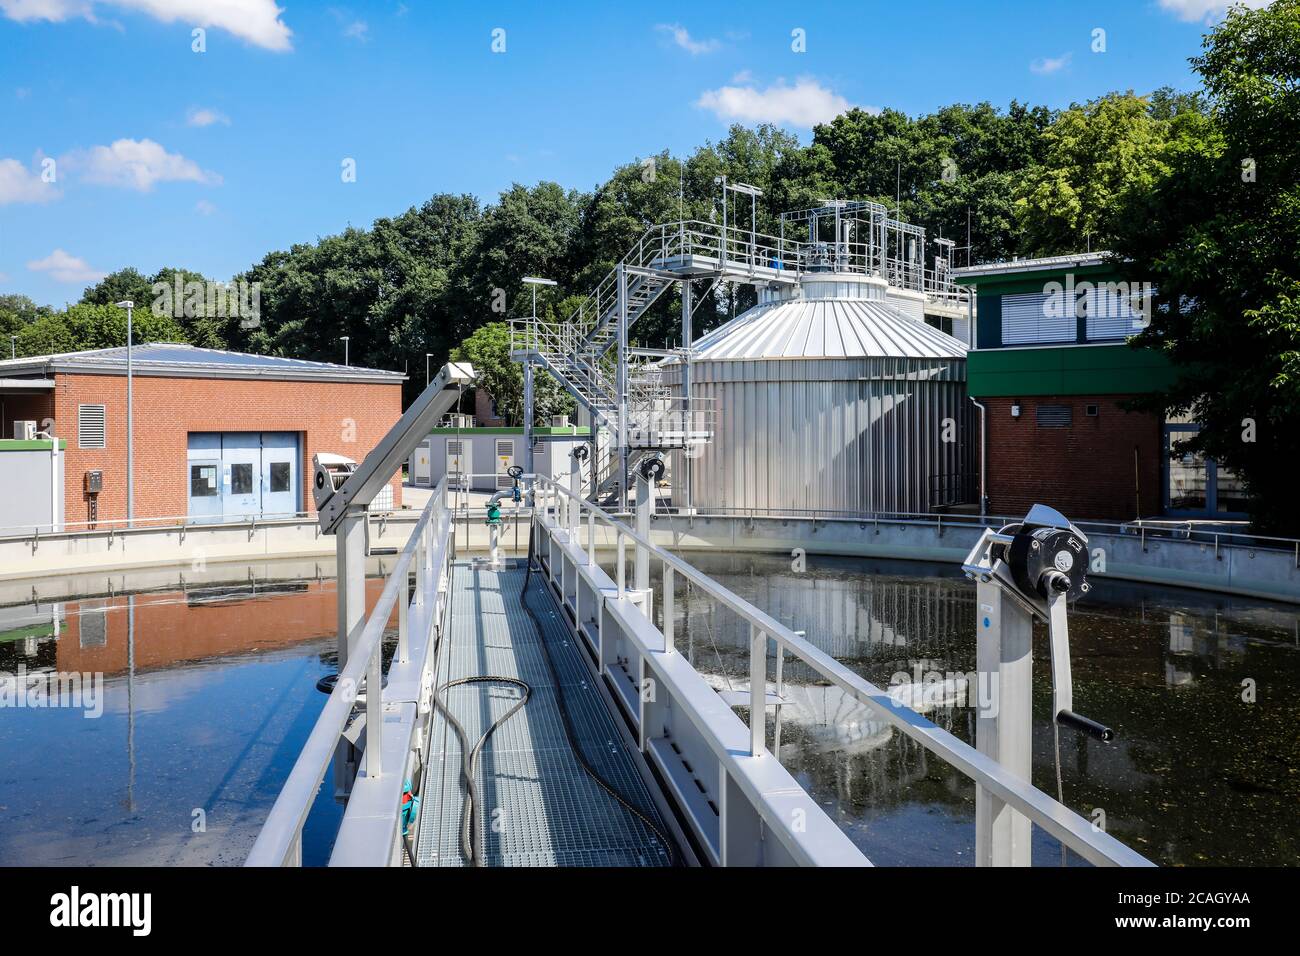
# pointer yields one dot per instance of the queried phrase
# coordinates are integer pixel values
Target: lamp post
(533, 281)
(130, 418)
(345, 339)
(427, 356)
(13, 346)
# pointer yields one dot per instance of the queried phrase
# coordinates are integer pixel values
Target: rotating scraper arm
(395, 447)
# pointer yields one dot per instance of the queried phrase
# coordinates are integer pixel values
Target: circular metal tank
(828, 398)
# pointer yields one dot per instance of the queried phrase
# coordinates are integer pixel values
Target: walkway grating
(538, 806)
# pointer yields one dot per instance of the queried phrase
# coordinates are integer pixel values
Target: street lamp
(345, 340)
(533, 281)
(130, 419)
(427, 356)
(13, 346)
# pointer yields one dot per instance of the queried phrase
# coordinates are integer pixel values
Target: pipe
(984, 456)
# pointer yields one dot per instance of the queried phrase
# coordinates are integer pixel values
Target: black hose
(469, 756)
(565, 720)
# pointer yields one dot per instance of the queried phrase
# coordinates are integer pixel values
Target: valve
(493, 513)
(581, 452)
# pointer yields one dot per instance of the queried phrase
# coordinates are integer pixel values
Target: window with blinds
(1110, 314)
(90, 426)
(1026, 319)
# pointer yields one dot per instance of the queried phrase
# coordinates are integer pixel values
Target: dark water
(1196, 776)
(208, 694)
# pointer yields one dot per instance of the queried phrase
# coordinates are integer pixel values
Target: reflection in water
(208, 696)
(1198, 775)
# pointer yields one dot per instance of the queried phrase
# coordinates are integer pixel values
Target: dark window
(241, 479)
(1055, 416)
(1091, 410)
(203, 481)
(279, 476)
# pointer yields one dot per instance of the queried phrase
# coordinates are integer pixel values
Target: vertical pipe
(350, 575)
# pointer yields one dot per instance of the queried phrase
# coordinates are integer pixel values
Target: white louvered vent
(90, 426)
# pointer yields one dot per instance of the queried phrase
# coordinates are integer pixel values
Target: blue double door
(239, 475)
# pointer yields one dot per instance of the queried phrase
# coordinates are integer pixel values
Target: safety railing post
(403, 622)
(757, 690)
(374, 711)
(670, 625)
(591, 538)
(622, 563)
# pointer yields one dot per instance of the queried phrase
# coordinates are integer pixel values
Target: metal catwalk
(537, 805)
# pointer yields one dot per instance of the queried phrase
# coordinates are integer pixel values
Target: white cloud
(684, 40)
(202, 116)
(20, 184)
(204, 207)
(1193, 10)
(1050, 64)
(357, 30)
(63, 267)
(257, 21)
(804, 104)
(56, 11)
(136, 164)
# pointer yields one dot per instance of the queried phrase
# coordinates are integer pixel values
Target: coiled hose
(567, 723)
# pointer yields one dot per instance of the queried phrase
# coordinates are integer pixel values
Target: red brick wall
(1084, 471)
(168, 409)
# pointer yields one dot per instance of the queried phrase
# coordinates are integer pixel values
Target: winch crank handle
(1062, 685)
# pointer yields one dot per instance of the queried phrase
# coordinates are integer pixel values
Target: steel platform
(539, 807)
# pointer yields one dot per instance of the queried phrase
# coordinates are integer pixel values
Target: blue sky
(208, 160)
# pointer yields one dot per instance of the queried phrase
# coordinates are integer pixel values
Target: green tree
(1218, 233)
(82, 327)
(488, 350)
(1096, 155)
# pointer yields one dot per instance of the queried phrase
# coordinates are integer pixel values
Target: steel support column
(1004, 725)
(528, 417)
(350, 578)
(688, 335)
(622, 388)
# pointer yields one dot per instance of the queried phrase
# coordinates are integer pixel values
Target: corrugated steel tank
(829, 398)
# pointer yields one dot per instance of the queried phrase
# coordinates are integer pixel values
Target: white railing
(429, 548)
(557, 507)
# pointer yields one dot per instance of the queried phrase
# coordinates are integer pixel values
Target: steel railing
(567, 511)
(279, 843)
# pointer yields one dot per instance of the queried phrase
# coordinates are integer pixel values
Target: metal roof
(1076, 260)
(835, 328)
(189, 361)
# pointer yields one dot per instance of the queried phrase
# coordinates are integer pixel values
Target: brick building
(216, 434)
(1052, 368)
